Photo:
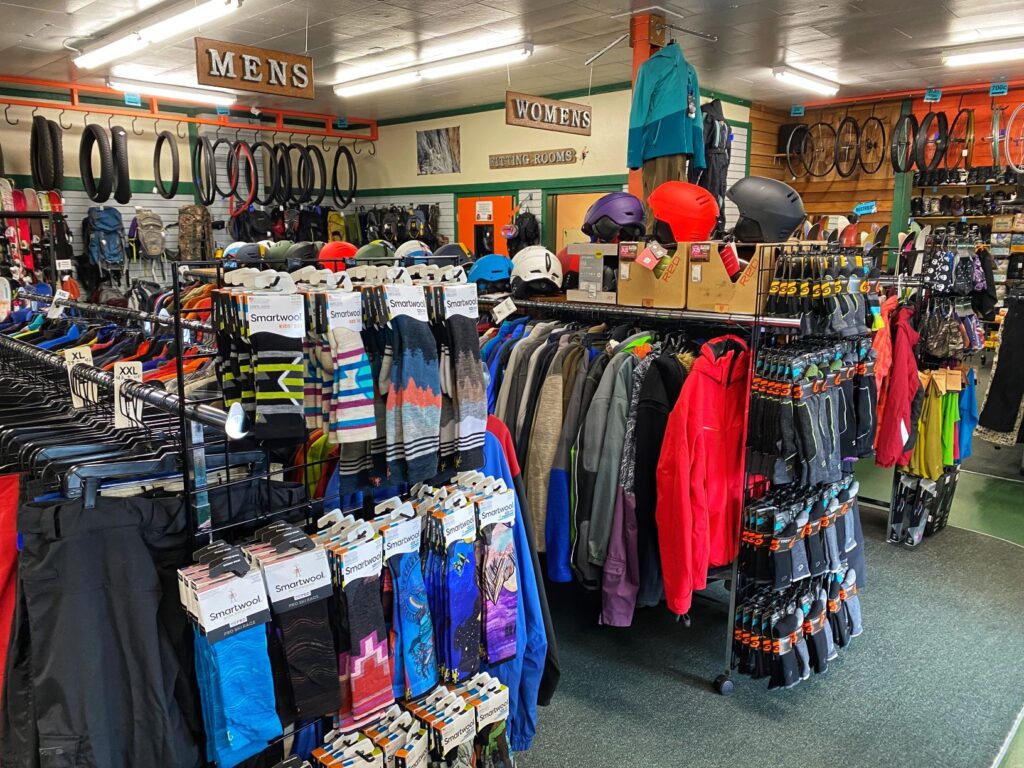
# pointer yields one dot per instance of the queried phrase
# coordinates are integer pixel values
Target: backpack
(291, 224)
(104, 238)
(311, 226)
(528, 233)
(336, 229)
(147, 234)
(195, 233)
(251, 225)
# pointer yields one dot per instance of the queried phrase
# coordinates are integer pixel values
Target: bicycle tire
(57, 150)
(997, 161)
(227, 168)
(202, 152)
(166, 137)
(825, 150)
(318, 166)
(284, 169)
(252, 177)
(41, 153)
(923, 140)
(97, 190)
(901, 153)
(876, 145)
(959, 150)
(123, 179)
(305, 174)
(843, 165)
(343, 201)
(1016, 121)
(271, 166)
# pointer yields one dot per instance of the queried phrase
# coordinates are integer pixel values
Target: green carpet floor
(936, 679)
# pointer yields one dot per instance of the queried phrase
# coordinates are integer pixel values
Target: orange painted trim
(639, 40)
(899, 95)
(153, 112)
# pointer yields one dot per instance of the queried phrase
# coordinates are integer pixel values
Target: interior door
(480, 223)
(569, 212)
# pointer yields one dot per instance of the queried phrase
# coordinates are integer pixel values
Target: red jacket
(897, 424)
(700, 471)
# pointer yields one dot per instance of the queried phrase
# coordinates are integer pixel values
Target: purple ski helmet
(618, 216)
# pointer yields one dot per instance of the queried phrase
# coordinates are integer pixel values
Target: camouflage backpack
(147, 234)
(195, 233)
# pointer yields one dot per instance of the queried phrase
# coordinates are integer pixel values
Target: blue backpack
(105, 240)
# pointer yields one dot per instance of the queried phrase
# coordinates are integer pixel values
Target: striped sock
(352, 418)
(419, 388)
(279, 384)
(470, 392)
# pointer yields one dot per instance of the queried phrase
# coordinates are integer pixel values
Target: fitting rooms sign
(245, 68)
(547, 114)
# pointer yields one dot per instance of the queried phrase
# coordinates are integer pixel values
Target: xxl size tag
(282, 314)
(56, 308)
(298, 580)
(232, 606)
(345, 310)
(365, 559)
(72, 357)
(461, 300)
(503, 310)
(407, 300)
(127, 410)
(498, 508)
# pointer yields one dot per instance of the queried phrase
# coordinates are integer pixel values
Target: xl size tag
(127, 410)
(78, 356)
(282, 314)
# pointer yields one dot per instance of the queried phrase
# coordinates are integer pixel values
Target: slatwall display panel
(446, 203)
(737, 169)
(533, 205)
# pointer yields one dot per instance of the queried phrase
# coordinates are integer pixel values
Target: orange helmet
(683, 212)
(334, 253)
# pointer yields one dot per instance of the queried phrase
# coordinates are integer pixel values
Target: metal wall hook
(355, 148)
(180, 135)
(373, 149)
(60, 121)
(85, 120)
(136, 133)
(110, 122)
(7, 117)
(35, 111)
(323, 144)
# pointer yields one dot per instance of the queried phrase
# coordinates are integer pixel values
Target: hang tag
(362, 560)
(72, 357)
(127, 410)
(459, 525)
(491, 707)
(998, 89)
(503, 310)
(297, 580)
(345, 310)
(229, 606)
(648, 258)
(64, 265)
(407, 300)
(461, 300)
(56, 308)
(282, 314)
(5, 298)
(498, 508)
(457, 730)
(402, 537)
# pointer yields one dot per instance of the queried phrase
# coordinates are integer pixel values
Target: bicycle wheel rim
(1013, 144)
(872, 145)
(996, 155)
(847, 146)
(901, 149)
(794, 152)
(956, 140)
(821, 159)
(930, 142)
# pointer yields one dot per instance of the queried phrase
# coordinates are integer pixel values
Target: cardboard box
(598, 297)
(664, 286)
(1002, 223)
(594, 258)
(711, 289)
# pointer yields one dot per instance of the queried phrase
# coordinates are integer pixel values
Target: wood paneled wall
(830, 194)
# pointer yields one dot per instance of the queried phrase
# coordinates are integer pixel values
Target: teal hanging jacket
(659, 121)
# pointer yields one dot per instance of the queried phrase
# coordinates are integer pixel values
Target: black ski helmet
(301, 254)
(769, 210)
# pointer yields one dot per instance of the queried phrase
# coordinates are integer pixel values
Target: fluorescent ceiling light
(444, 68)
(805, 80)
(478, 62)
(377, 84)
(175, 25)
(992, 56)
(213, 96)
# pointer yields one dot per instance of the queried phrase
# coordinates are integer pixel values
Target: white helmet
(535, 270)
(413, 251)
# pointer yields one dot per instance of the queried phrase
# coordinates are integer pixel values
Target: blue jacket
(659, 122)
(522, 674)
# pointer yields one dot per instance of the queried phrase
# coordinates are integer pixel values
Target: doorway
(480, 223)
(569, 210)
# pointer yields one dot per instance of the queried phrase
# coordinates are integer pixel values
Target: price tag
(72, 357)
(56, 308)
(340, 123)
(127, 410)
(283, 314)
(65, 265)
(132, 100)
(221, 110)
(345, 310)
(932, 95)
(998, 89)
(503, 310)
(863, 209)
(461, 300)
(797, 110)
(407, 300)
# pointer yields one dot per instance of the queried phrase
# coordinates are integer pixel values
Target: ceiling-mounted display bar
(915, 93)
(71, 101)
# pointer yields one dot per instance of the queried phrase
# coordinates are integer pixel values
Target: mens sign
(547, 114)
(245, 68)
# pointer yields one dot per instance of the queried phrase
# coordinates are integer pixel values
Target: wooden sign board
(531, 159)
(260, 70)
(547, 114)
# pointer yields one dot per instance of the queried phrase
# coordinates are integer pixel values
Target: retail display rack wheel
(847, 147)
(872, 145)
(960, 140)
(724, 685)
(819, 149)
(794, 152)
(1014, 140)
(901, 149)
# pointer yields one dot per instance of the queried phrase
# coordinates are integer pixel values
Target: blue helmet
(491, 269)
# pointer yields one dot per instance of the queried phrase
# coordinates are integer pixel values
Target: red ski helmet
(683, 212)
(570, 268)
(334, 253)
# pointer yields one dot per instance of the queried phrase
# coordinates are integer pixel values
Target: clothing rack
(120, 313)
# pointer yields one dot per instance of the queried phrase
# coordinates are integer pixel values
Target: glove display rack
(240, 503)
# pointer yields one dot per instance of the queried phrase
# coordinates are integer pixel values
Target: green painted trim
(902, 191)
(477, 190)
(547, 227)
(74, 184)
(193, 136)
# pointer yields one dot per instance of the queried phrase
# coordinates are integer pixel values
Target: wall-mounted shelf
(951, 217)
(965, 186)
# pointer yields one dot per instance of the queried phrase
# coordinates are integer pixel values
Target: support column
(645, 38)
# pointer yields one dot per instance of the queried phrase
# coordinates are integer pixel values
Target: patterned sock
(470, 392)
(415, 634)
(311, 388)
(391, 367)
(462, 598)
(280, 369)
(420, 397)
(311, 661)
(352, 417)
(369, 666)
(499, 586)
